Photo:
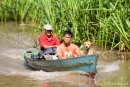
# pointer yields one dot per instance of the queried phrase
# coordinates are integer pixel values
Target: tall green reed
(87, 19)
(105, 21)
(16, 9)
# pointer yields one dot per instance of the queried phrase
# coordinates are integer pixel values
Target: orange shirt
(70, 50)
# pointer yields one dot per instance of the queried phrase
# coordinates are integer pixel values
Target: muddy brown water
(14, 39)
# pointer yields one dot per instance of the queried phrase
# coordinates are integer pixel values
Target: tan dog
(88, 48)
(123, 53)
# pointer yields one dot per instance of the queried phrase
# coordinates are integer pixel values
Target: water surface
(14, 72)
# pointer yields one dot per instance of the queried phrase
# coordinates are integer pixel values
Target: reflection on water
(18, 81)
(122, 79)
(111, 71)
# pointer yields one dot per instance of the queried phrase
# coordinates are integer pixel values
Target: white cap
(47, 27)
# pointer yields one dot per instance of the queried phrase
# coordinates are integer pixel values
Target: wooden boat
(85, 63)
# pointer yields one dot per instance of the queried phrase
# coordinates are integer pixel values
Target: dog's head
(88, 44)
(122, 47)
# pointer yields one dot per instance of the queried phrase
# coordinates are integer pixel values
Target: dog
(123, 53)
(88, 48)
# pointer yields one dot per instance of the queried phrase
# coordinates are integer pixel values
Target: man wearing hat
(48, 42)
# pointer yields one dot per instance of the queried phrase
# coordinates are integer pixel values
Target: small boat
(84, 63)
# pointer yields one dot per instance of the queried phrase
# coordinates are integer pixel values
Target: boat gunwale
(62, 59)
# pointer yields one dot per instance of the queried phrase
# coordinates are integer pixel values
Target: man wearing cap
(48, 42)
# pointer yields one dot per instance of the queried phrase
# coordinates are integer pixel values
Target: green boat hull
(85, 63)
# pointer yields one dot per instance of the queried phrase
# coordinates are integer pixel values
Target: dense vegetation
(105, 21)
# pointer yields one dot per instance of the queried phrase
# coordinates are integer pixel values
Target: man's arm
(46, 46)
(77, 51)
(62, 57)
(57, 43)
(59, 54)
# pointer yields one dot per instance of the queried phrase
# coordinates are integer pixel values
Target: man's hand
(55, 46)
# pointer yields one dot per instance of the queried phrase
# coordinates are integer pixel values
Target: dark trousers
(48, 51)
